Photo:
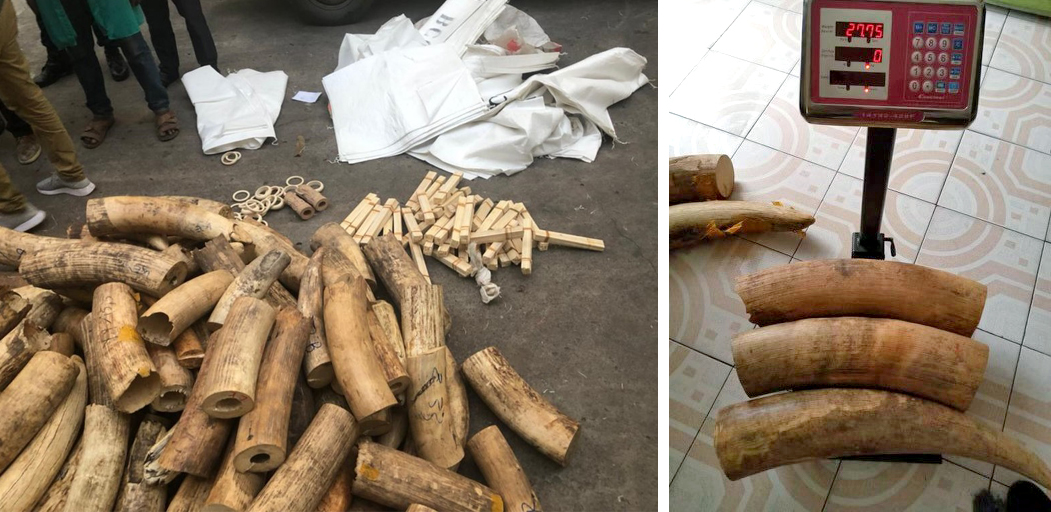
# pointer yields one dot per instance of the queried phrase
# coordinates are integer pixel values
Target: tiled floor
(977, 203)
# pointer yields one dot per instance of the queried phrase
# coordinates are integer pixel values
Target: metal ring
(262, 192)
(247, 196)
(319, 187)
(230, 157)
(288, 181)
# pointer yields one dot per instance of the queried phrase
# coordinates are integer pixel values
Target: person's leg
(85, 62)
(200, 34)
(158, 17)
(118, 67)
(27, 148)
(146, 72)
(11, 200)
(57, 64)
(22, 96)
(16, 125)
(15, 211)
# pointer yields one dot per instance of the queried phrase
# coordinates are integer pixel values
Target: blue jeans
(89, 72)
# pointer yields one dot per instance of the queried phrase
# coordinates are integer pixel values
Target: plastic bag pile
(450, 91)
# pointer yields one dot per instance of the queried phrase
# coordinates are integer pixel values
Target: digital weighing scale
(889, 64)
(885, 65)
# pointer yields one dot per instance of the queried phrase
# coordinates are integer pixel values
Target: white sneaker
(55, 185)
(29, 218)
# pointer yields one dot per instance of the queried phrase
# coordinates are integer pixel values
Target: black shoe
(167, 79)
(51, 73)
(118, 67)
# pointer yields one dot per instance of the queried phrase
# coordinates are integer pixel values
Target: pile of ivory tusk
(883, 354)
(699, 186)
(174, 358)
(443, 220)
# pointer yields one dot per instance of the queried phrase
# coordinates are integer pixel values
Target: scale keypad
(942, 44)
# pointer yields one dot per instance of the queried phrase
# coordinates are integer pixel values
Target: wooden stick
(259, 444)
(466, 221)
(136, 494)
(88, 265)
(27, 478)
(335, 239)
(302, 481)
(861, 352)
(317, 362)
(411, 226)
(197, 439)
(127, 215)
(497, 235)
(500, 467)
(130, 377)
(189, 346)
(393, 266)
(873, 288)
(355, 223)
(481, 213)
(427, 401)
(426, 208)
(456, 264)
(191, 495)
(691, 223)
(172, 314)
(700, 178)
(229, 385)
(54, 499)
(421, 262)
(378, 221)
(580, 242)
(17, 348)
(312, 197)
(520, 406)
(386, 353)
(527, 247)
(98, 474)
(176, 380)
(751, 437)
(232, 490)
(448, 187)
(425, 183)
(398, 480)
(353, 360)
(254, 281)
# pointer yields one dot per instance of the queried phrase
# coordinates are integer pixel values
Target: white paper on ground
(306, 96)
(388, 103)
(509, 141)
(459, 23)
(397, 32)
(237, 111)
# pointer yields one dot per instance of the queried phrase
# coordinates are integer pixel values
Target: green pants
(24, 98)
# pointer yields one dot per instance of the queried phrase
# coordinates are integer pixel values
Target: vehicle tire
(332, 12)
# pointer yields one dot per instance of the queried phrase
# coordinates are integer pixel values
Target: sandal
(167, 126)
(96, 131)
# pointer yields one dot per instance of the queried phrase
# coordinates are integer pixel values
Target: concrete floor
(581, 329)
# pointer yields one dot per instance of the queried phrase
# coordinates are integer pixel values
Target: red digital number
(850, 29)
(879, 31)
(877, 56)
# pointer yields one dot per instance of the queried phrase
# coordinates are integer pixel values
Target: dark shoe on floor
(118, 67)
(55, 185)
(51, 73)
(167, 79)
(29, 218)
(28, 149)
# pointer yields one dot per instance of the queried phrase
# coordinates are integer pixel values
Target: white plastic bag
(397, 32)
(237, 111)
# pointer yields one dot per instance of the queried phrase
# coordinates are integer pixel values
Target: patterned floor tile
(700, 485)
(705, 311)
(990, 403)
(1000, 182)
(763, 174)
(691, 138)
(1038, 329)
(680, 63)
(1029, 416)
(921, 161)
(795, 70)
(725, 92)
(765, 35)
(692, 25)
(1003, 260)
(695, 382)
(994, 23)
(880, 486)
(790, 5)
(1025, 47)
(904, 218)
(782, 127)
(998, 489)
(1015, 109)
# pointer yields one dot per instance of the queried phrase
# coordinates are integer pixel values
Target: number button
(917, 57)
(932, 43)
(917, 42)
(928, 72)
(914, 71)
(943, 58)
(914, 85)
(957, 44)
(928, 86)
(942, 72)
(943, 43)
(929, 57)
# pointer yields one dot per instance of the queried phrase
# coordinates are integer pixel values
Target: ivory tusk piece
(700, 178)
(98, 474)
(126, 368)
(191, 494)
(393, 369)
(232, 490)
(501, 469)
(254, 281)
(335, 238)
(235, 354)
(176, 380)
(317, 362)
(427, 401)
(145, 270)
(123, 215)
(165, 320)
(137, 495)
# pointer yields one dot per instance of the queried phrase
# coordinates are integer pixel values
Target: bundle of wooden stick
(227, 371)
(699, 186)
(900, 333)
(442, 220)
